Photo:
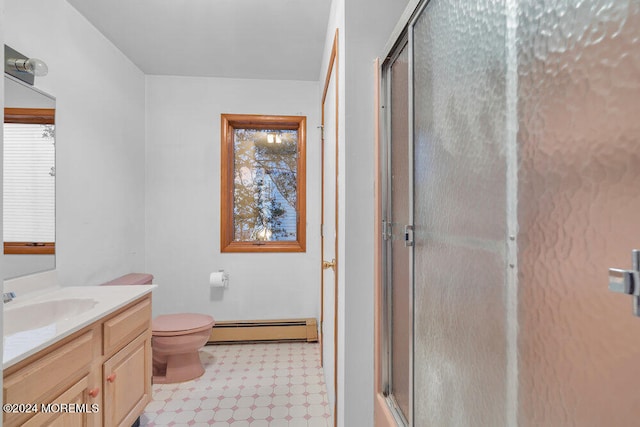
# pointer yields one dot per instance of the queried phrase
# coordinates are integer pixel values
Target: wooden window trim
(40, 116)
(230, 122)
(29, 248)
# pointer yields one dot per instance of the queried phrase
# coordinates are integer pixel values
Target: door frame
(382, 413)
(331, 68)
(402, 34)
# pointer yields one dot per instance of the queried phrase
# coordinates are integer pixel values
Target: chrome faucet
(8, 296)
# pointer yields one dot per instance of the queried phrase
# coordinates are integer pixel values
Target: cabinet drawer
(36, 382)
(124, 327)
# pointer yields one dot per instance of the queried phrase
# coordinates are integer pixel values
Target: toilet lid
(181, 322)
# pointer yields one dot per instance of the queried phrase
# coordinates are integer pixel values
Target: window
(263, 183)
(29, 181)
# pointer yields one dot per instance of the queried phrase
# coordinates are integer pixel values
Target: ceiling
(257, 39)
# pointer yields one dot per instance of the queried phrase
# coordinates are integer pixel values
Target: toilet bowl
(176, 340)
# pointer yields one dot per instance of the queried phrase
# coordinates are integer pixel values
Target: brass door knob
(329, 264)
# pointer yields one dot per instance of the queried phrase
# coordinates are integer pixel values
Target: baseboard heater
(251, 331)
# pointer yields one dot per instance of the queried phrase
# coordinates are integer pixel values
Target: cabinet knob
(94, 392)
(111, 378)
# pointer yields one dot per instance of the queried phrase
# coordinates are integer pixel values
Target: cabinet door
(127, 382)
(73, 408)
(50, 375)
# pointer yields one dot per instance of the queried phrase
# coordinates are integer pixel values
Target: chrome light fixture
(21, 67)
(34, 66)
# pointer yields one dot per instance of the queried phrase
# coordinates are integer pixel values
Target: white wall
(368, 25)
(99, 139)
(183, 201)
(364, 28)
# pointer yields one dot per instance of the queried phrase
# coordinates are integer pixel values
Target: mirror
(28, 179)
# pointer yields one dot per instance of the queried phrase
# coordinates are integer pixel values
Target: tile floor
(247, 385)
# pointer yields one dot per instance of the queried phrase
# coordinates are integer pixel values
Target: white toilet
(176, 339)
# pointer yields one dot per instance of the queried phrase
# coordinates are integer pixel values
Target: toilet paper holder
(219, 279)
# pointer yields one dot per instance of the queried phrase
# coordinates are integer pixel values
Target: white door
(328, 320)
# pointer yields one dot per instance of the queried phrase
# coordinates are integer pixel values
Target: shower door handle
(628, 281)
(408, 235)
(624, 281)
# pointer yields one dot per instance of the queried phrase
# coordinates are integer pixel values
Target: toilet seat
(168, 325)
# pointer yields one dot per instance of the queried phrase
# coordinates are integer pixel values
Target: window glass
(265, 188)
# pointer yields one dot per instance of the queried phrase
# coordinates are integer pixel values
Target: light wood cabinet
(126, 388)
(76, 395)
(121, 329)
(102, 374)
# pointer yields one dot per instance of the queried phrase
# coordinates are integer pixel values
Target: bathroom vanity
(88, 367)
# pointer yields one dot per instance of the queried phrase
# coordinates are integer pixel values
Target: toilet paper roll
(219, 279)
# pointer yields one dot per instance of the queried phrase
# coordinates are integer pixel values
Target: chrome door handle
(329, 264)
(628, 281)
(624, 281)
(408, 235)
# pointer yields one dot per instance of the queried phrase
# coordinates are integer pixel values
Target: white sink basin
(36, 315)
(34, 321)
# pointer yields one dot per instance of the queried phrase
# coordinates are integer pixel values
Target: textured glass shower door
(578, 214)
(525, 134)
(460, 217)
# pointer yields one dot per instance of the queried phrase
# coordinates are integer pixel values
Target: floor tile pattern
(247, 385)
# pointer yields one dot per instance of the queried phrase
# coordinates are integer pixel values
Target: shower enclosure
(510, 184)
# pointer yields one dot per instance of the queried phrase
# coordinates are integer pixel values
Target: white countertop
(20, 345)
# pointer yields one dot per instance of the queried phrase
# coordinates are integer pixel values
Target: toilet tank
(132, 279)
